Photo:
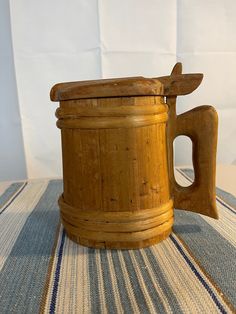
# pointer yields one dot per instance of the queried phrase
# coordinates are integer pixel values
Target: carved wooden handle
(200, 125)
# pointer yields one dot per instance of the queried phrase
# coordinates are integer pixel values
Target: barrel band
(119, 226)
(116, 111)
(112, 122)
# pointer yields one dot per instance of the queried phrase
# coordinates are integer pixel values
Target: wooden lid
(172, 85)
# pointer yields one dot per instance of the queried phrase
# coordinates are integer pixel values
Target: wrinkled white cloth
(56, 41)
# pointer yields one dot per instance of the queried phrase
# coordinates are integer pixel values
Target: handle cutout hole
(183, 159)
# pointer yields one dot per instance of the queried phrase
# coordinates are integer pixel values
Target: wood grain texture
(180, 84)
(115, 169)
(200, 125)
(117, 147)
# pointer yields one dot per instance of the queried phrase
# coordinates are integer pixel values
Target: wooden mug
(117, 147)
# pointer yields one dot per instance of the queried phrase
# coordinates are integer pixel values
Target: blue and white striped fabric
(193, 271)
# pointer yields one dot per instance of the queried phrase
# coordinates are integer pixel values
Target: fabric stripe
(128, 283)
(222, 202)
(73, 293)
(182, 281)
(160, 278)
(65, 279)
(49, 272)
(14, 197)
(24, 271)
(161, 297)
(153, 283)
(84, 282)
(94, 285)
(143, 282)
(101, 290)
(199, 277)
(213, 251)
(138, 292)
(183, 274)
(13, 219)
(115, 286)
(126, 293)
(6, 197)
(206, 278)
(107, 283)
(226, 224)
(226, 197)
(57, 275)
(4, 186)
(124, 296)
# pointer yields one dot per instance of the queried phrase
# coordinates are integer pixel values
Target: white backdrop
(12, 158)
(59, 40)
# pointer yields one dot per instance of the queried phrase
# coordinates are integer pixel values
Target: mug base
(120, 245)
(117, 229)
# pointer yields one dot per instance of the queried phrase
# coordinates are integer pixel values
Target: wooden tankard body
(117, 146)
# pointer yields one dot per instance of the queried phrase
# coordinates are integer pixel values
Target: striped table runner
(193, 271)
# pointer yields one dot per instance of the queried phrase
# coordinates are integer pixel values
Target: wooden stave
(81, 111)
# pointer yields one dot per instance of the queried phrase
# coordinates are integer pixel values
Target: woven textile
(193, 271)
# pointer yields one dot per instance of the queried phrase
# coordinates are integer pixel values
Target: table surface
(41, 270)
